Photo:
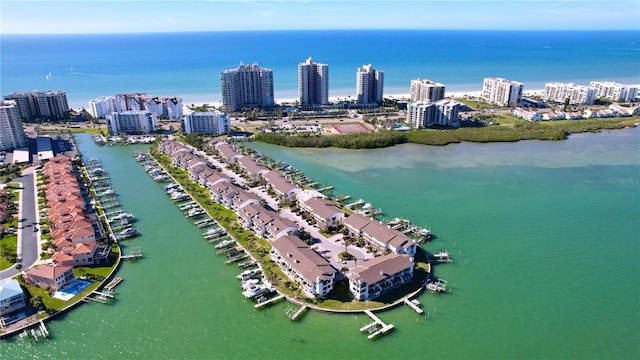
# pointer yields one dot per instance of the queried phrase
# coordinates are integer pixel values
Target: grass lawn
(8, 248)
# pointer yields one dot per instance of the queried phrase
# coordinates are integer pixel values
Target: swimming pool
(71, 290)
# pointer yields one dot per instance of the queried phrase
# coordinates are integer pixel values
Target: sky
(40, 17)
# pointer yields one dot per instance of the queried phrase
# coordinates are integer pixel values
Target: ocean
(189, 64)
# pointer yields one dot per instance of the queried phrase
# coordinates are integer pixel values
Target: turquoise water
(189, 64)
(544, 236)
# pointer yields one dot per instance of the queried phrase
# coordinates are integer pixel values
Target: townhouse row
(315, 274)
(73, 230)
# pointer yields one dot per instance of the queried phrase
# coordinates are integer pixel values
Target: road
(28, 239)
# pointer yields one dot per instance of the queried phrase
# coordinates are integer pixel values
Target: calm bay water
(189, 64)
(548, 231)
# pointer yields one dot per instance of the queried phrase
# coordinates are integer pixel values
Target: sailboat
(48, 76)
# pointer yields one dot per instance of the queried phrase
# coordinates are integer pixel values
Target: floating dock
(273, 300)
(134, 254)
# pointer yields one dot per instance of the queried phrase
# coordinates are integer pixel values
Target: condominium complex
(246, 86)
(133, 122)
(421, 114)
(102, 107)
(11, 131)
(502, 92)
(41, 104)
(615, 91)
(370, 85)
(170, 107)
(577, 94)
(313, 83)
(426, 90)
(210, 123)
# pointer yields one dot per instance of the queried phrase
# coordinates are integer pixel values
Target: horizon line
(299, 30)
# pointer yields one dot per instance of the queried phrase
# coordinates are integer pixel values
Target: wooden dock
(273, 300)
(113, 283)
(298, 313)
(377, 327)
(135, 254)
(414, 304)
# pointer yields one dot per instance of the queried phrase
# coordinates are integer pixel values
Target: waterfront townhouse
(208, 123)
(421, 114)
(374, 277)
(82, 254)
(133, 122)
(615, 91)
(228, 152)
(279, 227)
(247, 86)
(323, 211)
(215, 178)
(369, 85)
(312, 272)
(11, 131)
(422, 90)
(242, 198)
(577, 94)
(52, 276)
(219, 190)
(502, 92)
(380, 235)
(11, 298)
(313, 83)
(284, 188)
(252, 168)
(246, 216)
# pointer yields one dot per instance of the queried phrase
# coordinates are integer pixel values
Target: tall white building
(11, 131)
(209, 123)
(369, 85)
(426, 90)
(502, 92)
(577, 94)
(102, 107)
(246, 86)
(313, 83)
(133, 122)
(171, 107)
(421, 114)
(615, 91)
(45, 104)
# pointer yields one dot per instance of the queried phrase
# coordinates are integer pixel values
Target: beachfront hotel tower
(247, 86)
(133, 122)
(369, 85)
(313, 83)
(209, 123)
(421, 114)
(615, 91)
(41, 104)
(11, 131)
(426, 90)
(102, 107)
(577, 94)
(502, 92)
